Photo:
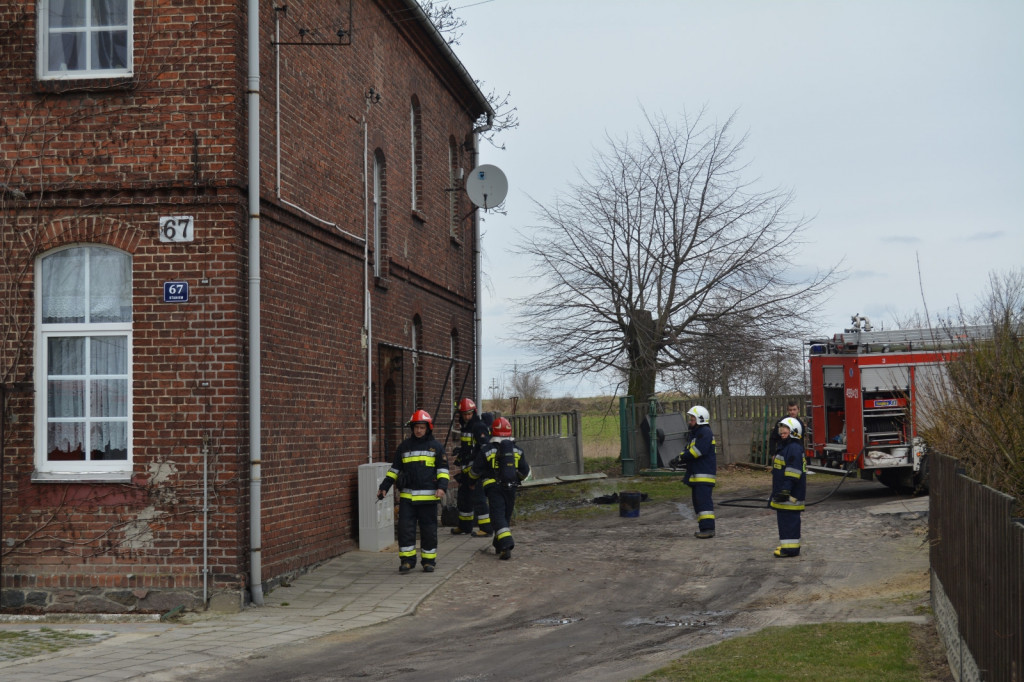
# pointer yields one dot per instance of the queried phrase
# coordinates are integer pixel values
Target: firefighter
(500, 467)
(420, 472)
(698, 458)
(789, 486)
(470, 499)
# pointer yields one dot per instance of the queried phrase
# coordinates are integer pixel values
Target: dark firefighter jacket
(698, 456)
(420, 468)
(488, 462)
(474, 436)
(789, 475)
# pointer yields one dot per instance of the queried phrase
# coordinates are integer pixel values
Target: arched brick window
(83, 376)
(416, 154)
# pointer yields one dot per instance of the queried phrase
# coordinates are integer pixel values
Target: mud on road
(612, 598)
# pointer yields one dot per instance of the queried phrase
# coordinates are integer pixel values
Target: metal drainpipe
(255, 406)
(367, 313)
(477, 317)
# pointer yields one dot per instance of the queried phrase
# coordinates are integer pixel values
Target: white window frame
(89, 469)
(45, 34)
(378, 256)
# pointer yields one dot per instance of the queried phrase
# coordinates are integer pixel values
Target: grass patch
(575, 500)
(838, 652)
(24, 643)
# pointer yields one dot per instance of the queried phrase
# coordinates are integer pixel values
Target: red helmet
(501, 428)
(467, 405)
(421, 417)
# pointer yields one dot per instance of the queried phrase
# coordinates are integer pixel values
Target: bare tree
(975, 411)
(661, 253)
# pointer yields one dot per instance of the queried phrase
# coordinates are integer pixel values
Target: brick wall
(100, 162)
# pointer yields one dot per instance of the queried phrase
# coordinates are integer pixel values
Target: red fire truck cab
(864, 400)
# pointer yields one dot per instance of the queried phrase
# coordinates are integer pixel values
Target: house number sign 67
(177, 228)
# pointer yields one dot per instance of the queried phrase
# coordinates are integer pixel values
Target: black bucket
(629, 504)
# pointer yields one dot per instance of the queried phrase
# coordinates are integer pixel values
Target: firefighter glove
(781, 496)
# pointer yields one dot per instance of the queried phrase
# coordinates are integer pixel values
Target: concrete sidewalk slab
(353, 590)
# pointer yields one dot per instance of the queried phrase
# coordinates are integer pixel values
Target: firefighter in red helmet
(471, 499)
(500, 467)
(420, 471)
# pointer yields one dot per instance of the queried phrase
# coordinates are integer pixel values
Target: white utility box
(376, 517)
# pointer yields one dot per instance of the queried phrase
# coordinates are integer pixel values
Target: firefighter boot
(405, 567)
(459, 531)
(704, 534)
(505, 554)
(428, 568)
(785, 553)
(480, 533)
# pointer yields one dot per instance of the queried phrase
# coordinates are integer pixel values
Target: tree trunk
(641, 354)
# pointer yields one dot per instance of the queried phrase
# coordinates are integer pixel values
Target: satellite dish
(486, 186)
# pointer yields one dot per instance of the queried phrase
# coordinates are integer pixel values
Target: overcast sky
(898, 125)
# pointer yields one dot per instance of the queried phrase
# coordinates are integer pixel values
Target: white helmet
(794, 427)
(700, 414)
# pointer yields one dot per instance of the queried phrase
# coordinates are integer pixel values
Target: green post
(652, 412)
(626, 436)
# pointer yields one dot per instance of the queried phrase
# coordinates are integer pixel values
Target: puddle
(551, 622)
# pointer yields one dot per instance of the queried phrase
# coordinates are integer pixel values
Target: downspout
(367, 313)
(255, 407)
(477, 316)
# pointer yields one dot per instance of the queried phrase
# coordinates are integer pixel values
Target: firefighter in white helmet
(789, 486)
(698, 458)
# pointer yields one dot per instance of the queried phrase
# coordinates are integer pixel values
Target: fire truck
(864, 399)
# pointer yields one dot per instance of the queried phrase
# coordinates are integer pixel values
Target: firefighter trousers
(473, 503)
(703, 506)
(789, 531)
(425, 516)
(502, 501)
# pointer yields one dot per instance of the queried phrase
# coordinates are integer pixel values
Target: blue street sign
(175, 292)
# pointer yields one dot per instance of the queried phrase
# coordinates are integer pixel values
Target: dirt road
(612, 598)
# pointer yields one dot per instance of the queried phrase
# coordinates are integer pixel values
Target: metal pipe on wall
(255, 405)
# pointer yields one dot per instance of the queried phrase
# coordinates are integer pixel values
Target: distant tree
(664, 257)
(528, 387)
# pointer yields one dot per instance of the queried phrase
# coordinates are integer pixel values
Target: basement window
(83, 351)
(84, 38)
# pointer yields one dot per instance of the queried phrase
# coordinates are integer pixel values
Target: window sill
(419, 216)
(83, 477)
(60, 86)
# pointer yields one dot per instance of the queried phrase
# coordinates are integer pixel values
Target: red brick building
(191, 378)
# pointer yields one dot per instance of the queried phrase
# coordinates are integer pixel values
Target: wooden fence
(977, 568)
